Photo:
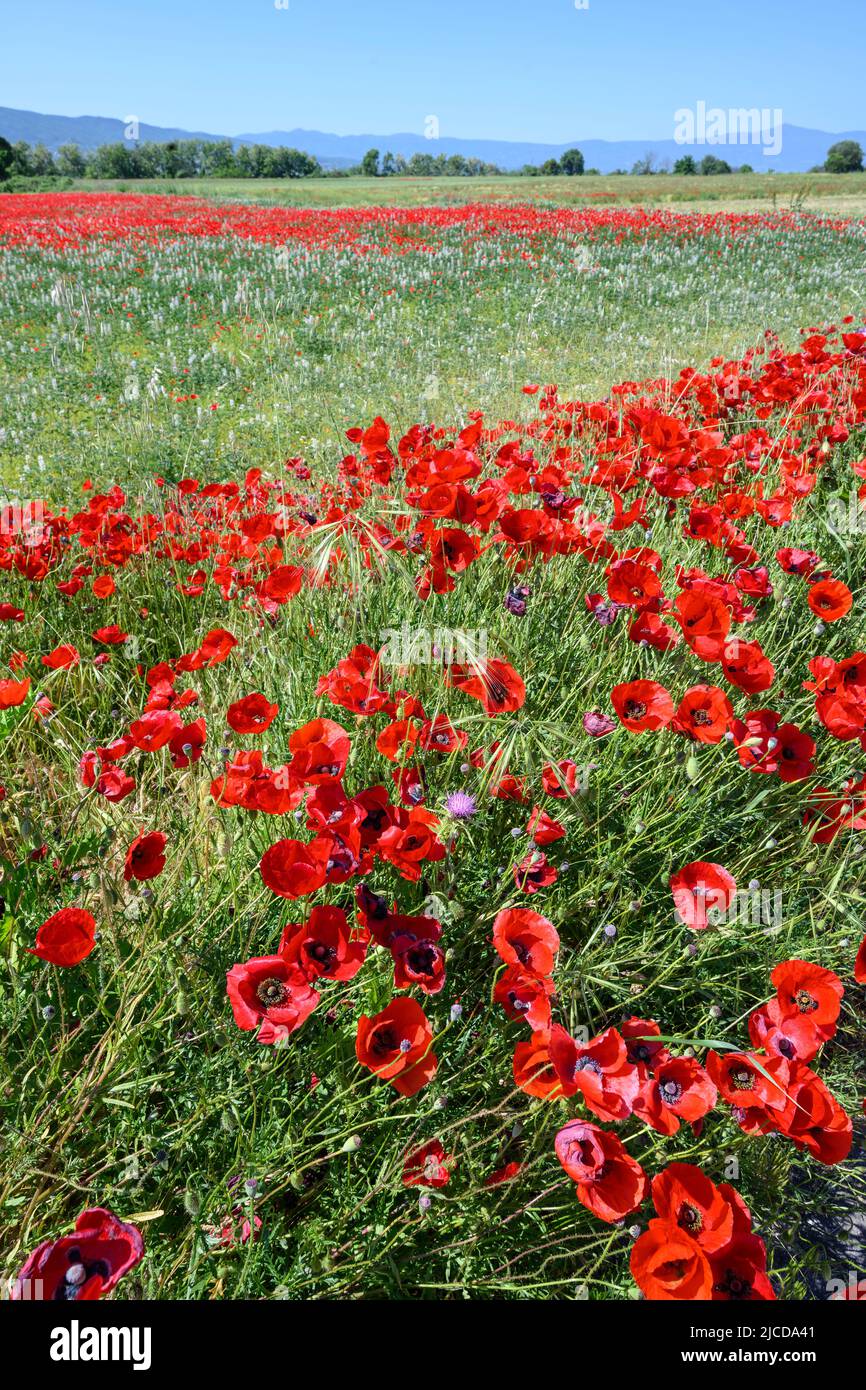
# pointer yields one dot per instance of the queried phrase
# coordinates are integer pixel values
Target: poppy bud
(351, 1144)
(191, 1203)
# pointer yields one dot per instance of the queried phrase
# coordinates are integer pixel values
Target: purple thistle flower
(461, 805)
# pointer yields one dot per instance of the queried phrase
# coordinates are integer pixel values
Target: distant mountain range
(801, 149)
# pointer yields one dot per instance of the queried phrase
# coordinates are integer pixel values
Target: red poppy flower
(632, 584)
(525, 998)
(705, 620)
(411, 841)
(683, 1194)
(145, 857)
(561, 781)
(794, 753)
(793, 1037)
(667, 1264)
(534, 1072)
(270, 993)
(810, 990)
(699, 888)
(705, 714)
(496, 684)
(508, 1172)
(187, 743)
(533, 873)
(543, 829)
(114, 784)
(323, 946)
(293, 869)
(66, 938)
(642, 705)
(111, 636)
(526, 939)
(155, 729)
(251, 715)
(752, 1084)
(84, 1265)
(62, 658)
(830, 599)
(216, 646)
(679, 1089)
(813, 1118)
(427, 1166)
(439, 735)
(600, 1070)
(860, 964)
(610, 1183)
(643, 1044)
(746, 666)
(13, 693)
(398, 739)
(418, 961)
(739, 1272)
(395, 1045)
(320, 751)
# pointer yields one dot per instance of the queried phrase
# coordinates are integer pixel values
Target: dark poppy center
(690, 1218)
(422, 959)
(77, 1275)
(271, 993)
(742, 1079)
(321, 953)
(384, 1041)
(734, 1286)
(635, 709)
(805, 1002)
(588, 1064)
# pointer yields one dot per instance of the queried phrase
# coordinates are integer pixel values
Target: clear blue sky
(506, 69)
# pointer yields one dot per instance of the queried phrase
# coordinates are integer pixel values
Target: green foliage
(845, 157)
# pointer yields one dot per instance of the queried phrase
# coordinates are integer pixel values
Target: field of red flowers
(435, 865)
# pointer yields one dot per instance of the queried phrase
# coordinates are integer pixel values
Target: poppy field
(433, 779)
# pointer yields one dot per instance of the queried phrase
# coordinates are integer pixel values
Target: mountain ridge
(802, 148)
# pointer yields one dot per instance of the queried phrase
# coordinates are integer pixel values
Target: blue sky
(507, 69)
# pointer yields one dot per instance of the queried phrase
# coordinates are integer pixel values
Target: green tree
(845, 157)
(113, 162)
(711, 164)
(217, 159)
(571, 162)
(42, 161)
(70, 162)
(21, 158)
(370, 164)
(551, 166)
(685, 165)
(7, 158)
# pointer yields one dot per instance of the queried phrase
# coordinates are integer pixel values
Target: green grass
(811, 192)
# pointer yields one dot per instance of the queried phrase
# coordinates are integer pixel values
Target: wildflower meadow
(433, 724)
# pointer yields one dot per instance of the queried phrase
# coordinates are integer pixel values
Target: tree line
(176, 159)
(218, 159)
